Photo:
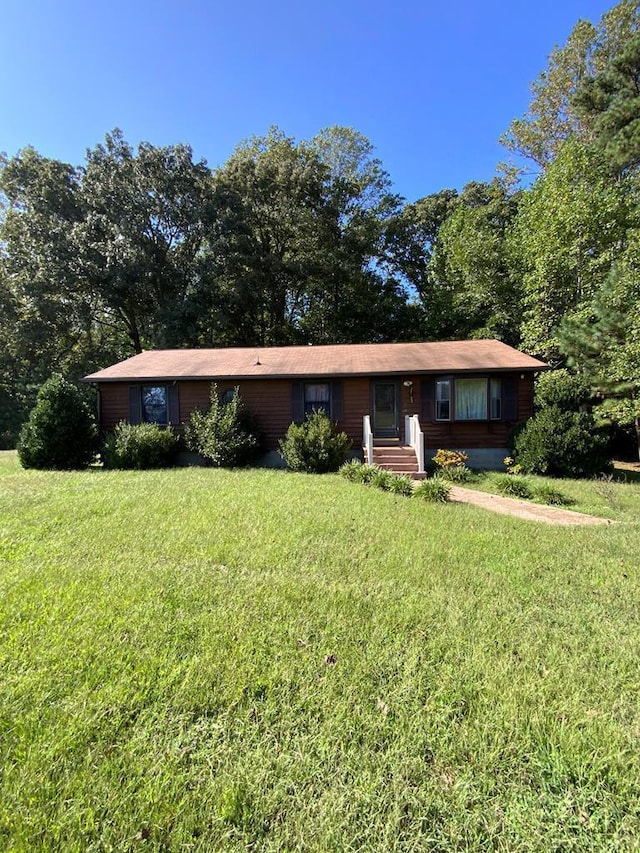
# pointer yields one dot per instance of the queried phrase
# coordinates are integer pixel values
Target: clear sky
(431, 84)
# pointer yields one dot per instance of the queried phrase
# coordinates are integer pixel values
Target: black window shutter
(427, 396)
(174, 404)
(135, 404)
(509, 399)
(336, 400)
(297, 401)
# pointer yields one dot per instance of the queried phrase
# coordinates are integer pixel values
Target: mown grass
(252, 660)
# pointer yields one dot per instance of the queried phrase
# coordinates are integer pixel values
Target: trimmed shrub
(315, 446)
(514, 486)
(61, 432)
(226, 435)
(561, 444)
(561, 389)
(434, 490)
(140, 446)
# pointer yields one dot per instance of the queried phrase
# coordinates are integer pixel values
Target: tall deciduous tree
(553, 115)
(570, 228)
(472, 290)
(140, 237)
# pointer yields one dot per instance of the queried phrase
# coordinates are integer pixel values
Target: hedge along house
(398, 402)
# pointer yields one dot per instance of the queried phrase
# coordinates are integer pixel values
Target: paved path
(523, 509)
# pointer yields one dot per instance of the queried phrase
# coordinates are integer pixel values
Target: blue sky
(431, 84)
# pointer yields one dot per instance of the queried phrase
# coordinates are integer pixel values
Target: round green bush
(315, 446)
(561, 444)
(61, 432)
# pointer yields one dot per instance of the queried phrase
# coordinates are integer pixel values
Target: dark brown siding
(114, 404)
(271, 402)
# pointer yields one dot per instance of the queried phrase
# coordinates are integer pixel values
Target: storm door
(385, 410)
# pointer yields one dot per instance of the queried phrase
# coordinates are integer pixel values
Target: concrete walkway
(523, 509)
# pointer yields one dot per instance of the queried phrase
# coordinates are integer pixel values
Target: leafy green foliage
(561, 389)
(433, 490)
(562, 444)
(610, 102)
(567, 233)
(473, 291)
(61, 431)
(557, 110)
(226, 435)
(140, 446)
(315, 446)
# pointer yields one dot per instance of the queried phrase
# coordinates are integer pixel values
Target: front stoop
(400, 459)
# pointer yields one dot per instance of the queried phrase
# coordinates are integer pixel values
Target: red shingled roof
(331, 360)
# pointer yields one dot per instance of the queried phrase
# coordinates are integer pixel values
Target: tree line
(293, 242)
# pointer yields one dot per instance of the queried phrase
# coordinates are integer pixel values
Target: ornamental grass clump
(547, 494)
(352, 470)
(315, 446)
(514, 486)
(434, 490)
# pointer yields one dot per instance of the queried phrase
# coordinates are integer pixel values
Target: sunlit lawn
(253, 660)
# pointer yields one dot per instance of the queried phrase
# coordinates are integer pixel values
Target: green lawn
(253, 660)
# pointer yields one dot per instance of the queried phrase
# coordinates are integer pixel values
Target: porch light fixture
(407, 383)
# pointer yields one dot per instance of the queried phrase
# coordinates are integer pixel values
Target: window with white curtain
(471, 399)
(317, 397)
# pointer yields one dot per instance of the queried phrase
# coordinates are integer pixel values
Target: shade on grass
(230, 660)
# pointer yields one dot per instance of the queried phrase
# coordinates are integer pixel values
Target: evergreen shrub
(315, 446)
(61, 432)
(561, 444)
(140, 446)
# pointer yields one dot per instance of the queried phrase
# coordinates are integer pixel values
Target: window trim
(451, 381)
(444, 381)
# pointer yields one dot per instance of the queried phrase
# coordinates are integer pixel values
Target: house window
(317, 397)
(154, 404)
(443, 400)
(227, 396)
(496, 399)
(471, 399)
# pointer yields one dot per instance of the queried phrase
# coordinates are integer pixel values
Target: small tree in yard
(61, 432)
(315, 446)
(227, 435)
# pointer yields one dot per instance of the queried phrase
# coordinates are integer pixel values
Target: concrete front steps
(401, 459)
